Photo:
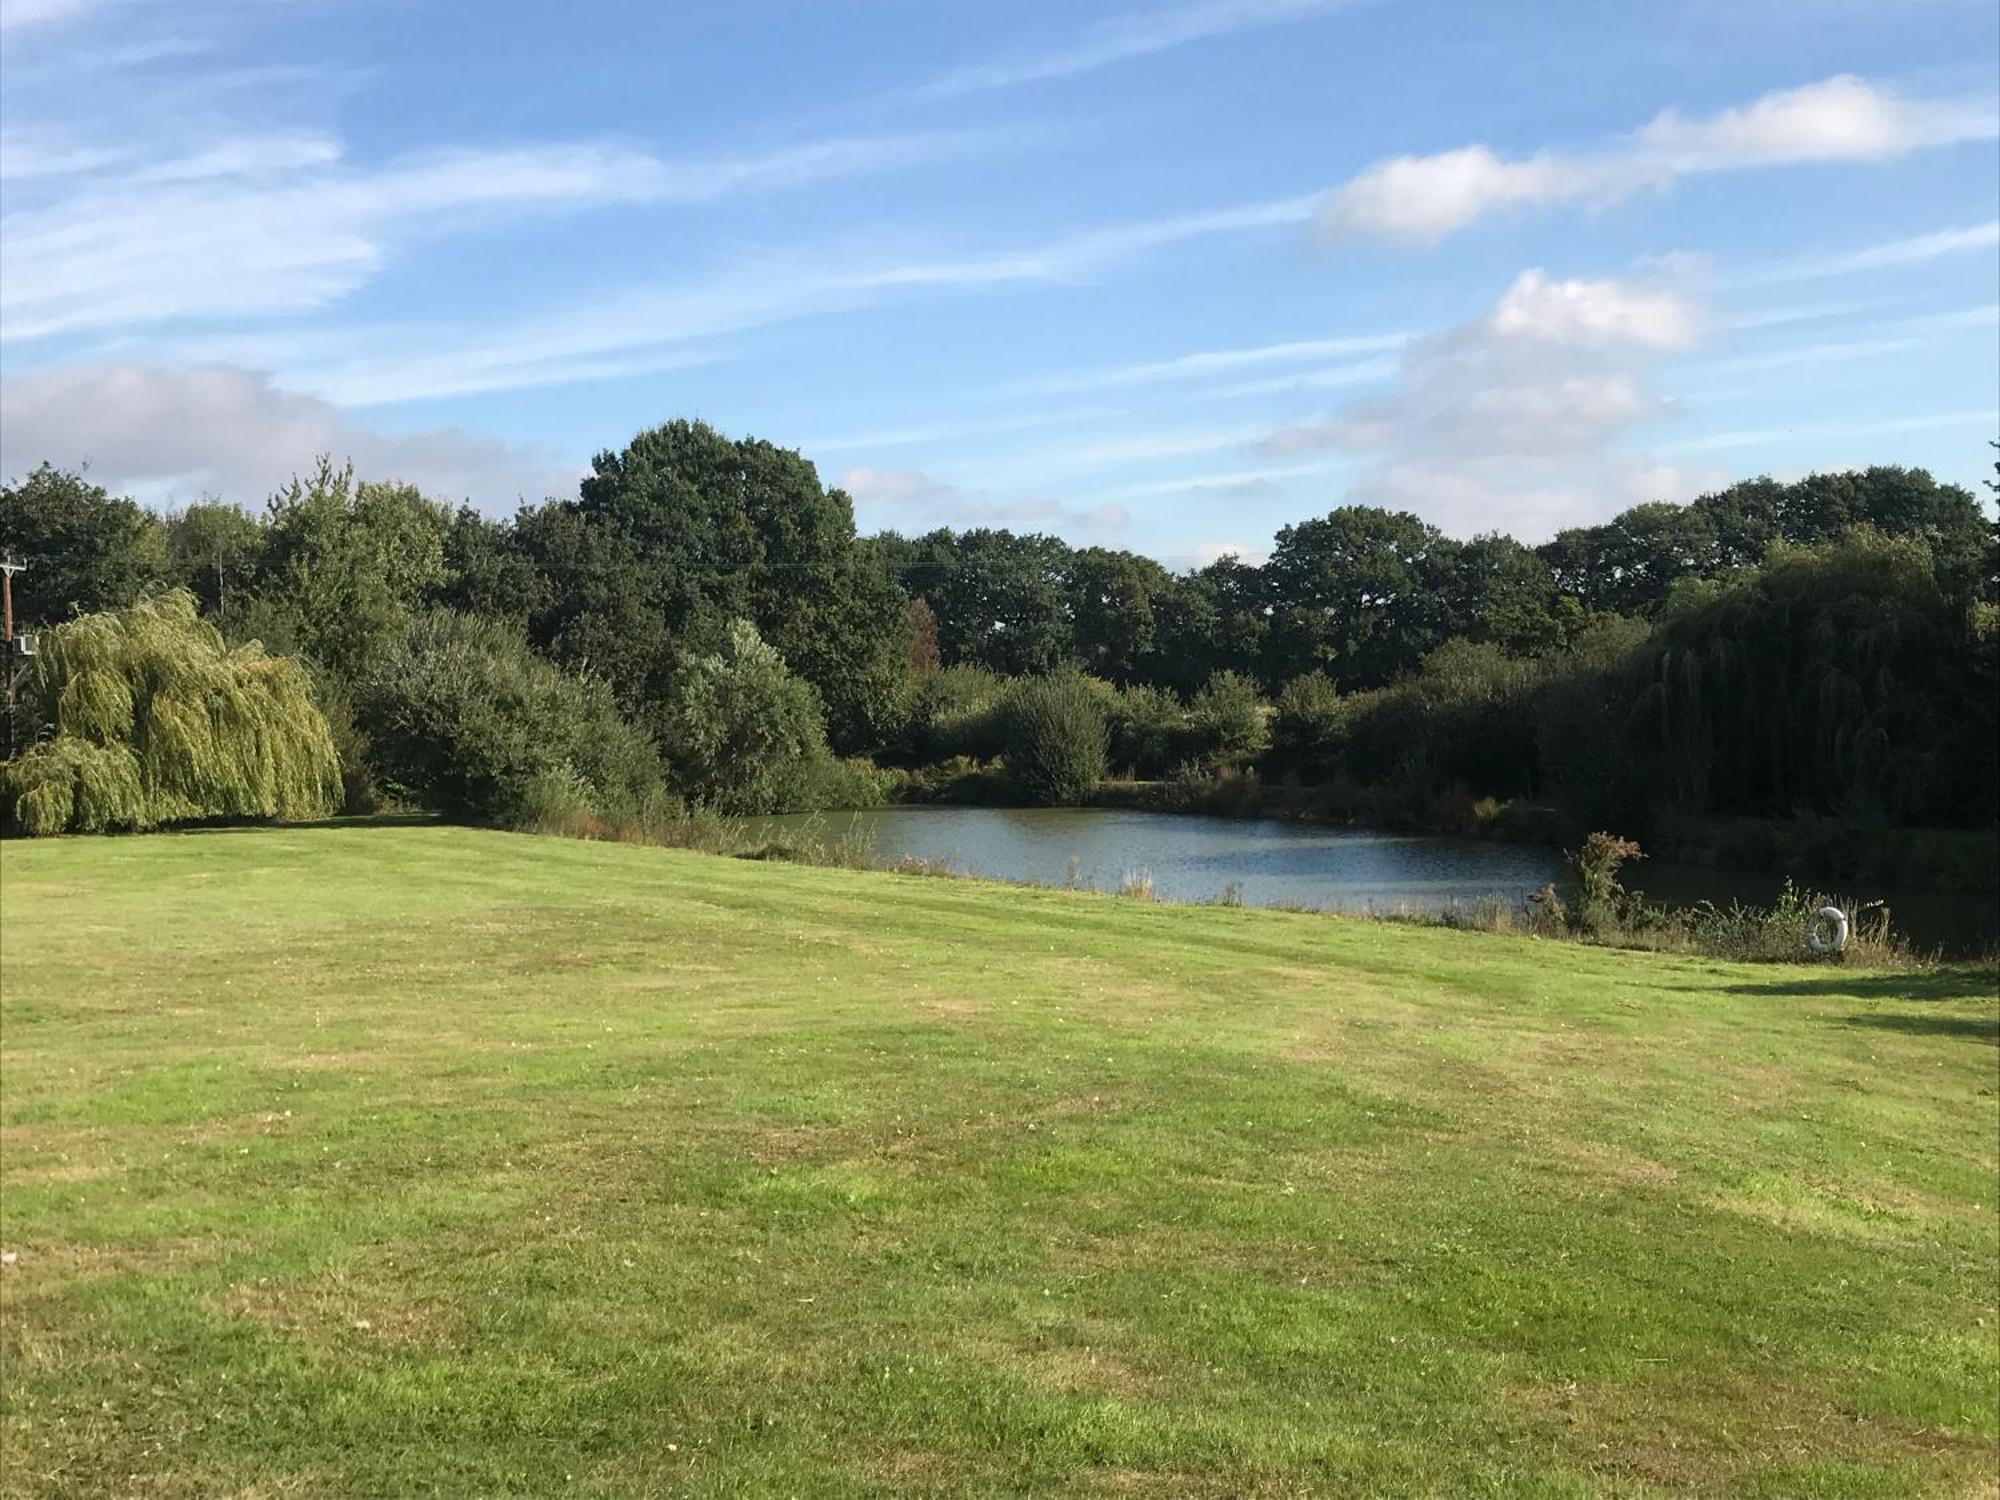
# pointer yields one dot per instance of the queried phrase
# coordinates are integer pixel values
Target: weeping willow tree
(156, 720)
(1833, 680)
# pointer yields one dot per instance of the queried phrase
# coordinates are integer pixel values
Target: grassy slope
(384, 1161)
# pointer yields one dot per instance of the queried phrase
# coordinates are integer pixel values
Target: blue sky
(1161, 275)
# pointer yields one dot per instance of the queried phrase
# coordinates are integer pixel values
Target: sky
(1158, 274)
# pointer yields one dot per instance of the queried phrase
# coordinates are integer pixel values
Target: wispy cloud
(1121, 39)
(1259, 478)
(1893, 336)
(1213, 362)
(1986, 422)
(946, 432)
(281, 222)
(1910, 251)
(20, 15)
(178, 435)
(1422, 199)
(664, 326)
(1149, 447)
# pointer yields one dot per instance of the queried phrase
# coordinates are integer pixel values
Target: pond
(1283, 863)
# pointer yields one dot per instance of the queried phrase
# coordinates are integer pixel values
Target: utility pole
(8, 568)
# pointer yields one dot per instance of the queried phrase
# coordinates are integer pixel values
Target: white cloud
(1425, 198)
(26, 155)
(1422, 199)
(1593, 314)
(281, 223)
(1843, 118)
(1121, 39)
(1517, 419)
(178, 435)
(907, 500)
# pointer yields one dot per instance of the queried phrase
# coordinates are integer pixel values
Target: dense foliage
(683, 533)
(461, 716)
(1835, 680)
(1055, 739)
(702, 611)
(745, 734)
(154, 720)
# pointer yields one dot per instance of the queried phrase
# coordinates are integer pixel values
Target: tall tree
(1629, 564)
(999, 598)
(1111, 602)
(213, 550)
(1361, 594)
(345, 566)
(85, 550)
(684, 531)
(1833, 680)
(1504, 593)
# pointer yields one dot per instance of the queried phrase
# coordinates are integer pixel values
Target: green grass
(395, 1161)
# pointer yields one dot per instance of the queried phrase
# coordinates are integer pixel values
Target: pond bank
(1264, 861)
(1811, 851)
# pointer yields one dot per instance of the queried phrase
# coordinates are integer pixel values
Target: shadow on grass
(1921, 1023)
(1961, 983)
(272, 825)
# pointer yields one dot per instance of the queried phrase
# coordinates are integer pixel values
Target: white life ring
(1826, 932)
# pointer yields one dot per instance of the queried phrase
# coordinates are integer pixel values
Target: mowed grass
(412, 1161)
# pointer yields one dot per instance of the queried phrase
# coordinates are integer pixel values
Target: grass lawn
(398, 1161)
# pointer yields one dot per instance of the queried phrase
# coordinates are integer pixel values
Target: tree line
(702, 624)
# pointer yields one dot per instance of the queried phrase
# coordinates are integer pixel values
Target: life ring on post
(1826, 931)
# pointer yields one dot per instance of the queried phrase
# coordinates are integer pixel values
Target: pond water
(1281, 863)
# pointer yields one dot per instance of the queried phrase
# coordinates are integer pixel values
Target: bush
(1308, 726)
(1149, 732)
(957, 711)
(1056, 740)
(745, 735)
(1598, 902)
(1226, 724)
(463, 717)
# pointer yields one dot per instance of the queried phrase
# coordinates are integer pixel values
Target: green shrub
(1149, 731)
(463, 717)
(957, 711)
(1056, 739)
(745, 735)
(1226, 721)
(1308, 727)
(850, 783)
(1598, 902)
(960, 780)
